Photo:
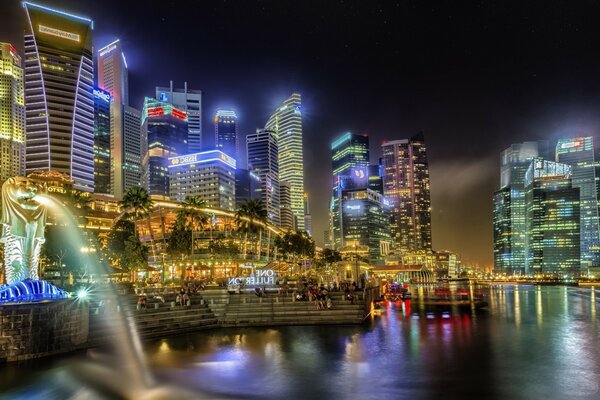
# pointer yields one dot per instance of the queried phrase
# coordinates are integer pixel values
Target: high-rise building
(102, 105)
(579, 153)
(286, 123)
(406, 187)
(307, 216)
(376, 177)
(189, 101)
(285, 207)
(348, 152)
(12, 113)
(209, 175)
(510, 231)
(262, 156)
(247, 186)
(59, 100)
(126, 140)
(226, 132)
(167, 134)
(553, 234)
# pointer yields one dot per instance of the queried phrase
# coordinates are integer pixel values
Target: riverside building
(59, 100)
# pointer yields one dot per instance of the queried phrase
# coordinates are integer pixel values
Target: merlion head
(22, 191)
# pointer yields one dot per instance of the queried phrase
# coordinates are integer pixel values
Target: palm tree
(250, 217)
(136, 205)
(192, 215)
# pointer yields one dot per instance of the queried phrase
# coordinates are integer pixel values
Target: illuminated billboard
(202, 157)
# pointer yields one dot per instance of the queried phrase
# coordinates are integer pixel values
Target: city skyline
(465, 147)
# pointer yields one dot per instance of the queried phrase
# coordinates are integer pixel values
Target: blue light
(29, 290)
(52, 10)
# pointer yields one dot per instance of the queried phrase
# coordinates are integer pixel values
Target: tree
(250, 217)
(330, 256)
(179, 241)
(125, 249)
(295, 245)
(193, 216)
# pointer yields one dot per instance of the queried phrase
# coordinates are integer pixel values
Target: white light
(82, 294)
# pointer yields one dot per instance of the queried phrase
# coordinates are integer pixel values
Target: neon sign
(108, 50)
(58, 33)
(262, 277)
(152, 112)
(570, 145)
(101, 94)
(203, 157)
(179, 114)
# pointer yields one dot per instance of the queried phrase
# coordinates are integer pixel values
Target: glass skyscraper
(553, 232)
(286, 123)
(348, 152)
(102, 163)
(12, 112)
(226, 132)
(579, 153)
(510, 231)
(190, 101)
(406, 187)
(263, 160)
(167, 134)
(59, 100)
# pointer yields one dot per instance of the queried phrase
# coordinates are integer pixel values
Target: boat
(444, 298)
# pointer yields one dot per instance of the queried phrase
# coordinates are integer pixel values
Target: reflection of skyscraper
(579, 154)
(12, 113)
(59, 78)
(190, 101)
(286, 122)
(263, 160)
(102, 102)
(167, 137)
(226, 132)
(552, 205)
(125, 138)
(510, 232)
(406, 186)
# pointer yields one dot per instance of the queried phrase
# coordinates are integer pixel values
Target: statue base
(30, 291)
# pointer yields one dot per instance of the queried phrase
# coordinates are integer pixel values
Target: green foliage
(191, 213)
(249, 215)
(180, 240)
(136, 203)
(124, 248)
(330, 256)
(295, 245)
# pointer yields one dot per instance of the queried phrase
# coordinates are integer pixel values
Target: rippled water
(531, 343)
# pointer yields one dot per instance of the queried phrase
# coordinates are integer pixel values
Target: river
(532, 342)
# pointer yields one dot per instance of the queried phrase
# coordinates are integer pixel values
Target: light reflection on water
(532, 342)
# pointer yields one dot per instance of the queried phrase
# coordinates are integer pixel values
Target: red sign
(152, 112)
(179, 114)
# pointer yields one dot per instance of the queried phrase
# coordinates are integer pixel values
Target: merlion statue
(23, 223)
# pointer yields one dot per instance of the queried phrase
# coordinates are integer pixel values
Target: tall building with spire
(125, 133)
(286, 123)
(59, 100)
(190, 101)
(12, 112)
(226, 132)
(406, 186)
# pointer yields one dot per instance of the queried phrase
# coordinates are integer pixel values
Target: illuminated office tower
(579, 153)
(209, 175)
(348, 152)
(286, 122)
(553, 233)
(226, 132)
(262, 156)
(247, 186)
(510, 231)
(125, 138)
(190, 101)
(167, 135)
(285, 207)
(59, 99)
(307, 216)
(12, 113)
(102, 104)
(406, 186)
(376, 177)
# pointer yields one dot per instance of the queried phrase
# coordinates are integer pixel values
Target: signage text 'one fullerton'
(57, 32)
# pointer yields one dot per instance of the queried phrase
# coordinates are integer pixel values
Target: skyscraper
(406, 186)
(226, 132)
(307, 216)
(553, 234)
(190, 101)
(102, 105)
(247, 186)
(12, 112)
(59, 100)
(262, 156)
(167, 134)
(579, 153)
(285, 207)
(510, 232)
(286, 123)
(125, 132)
(348, 152)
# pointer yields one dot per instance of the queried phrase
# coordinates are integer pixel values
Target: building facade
(226, 134)
(167, 135)
(579, 153)
(209, 175)
(190, 101)
(286, 123)
(553, 217)
(263, 160)
(102, 163)
(406, 186)
(247, 187)
(285, 207)
(348, 152)
(307, 216)
(59, 100)
(12, 113)
(510, 231)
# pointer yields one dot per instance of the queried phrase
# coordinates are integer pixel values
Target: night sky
(474, 78)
